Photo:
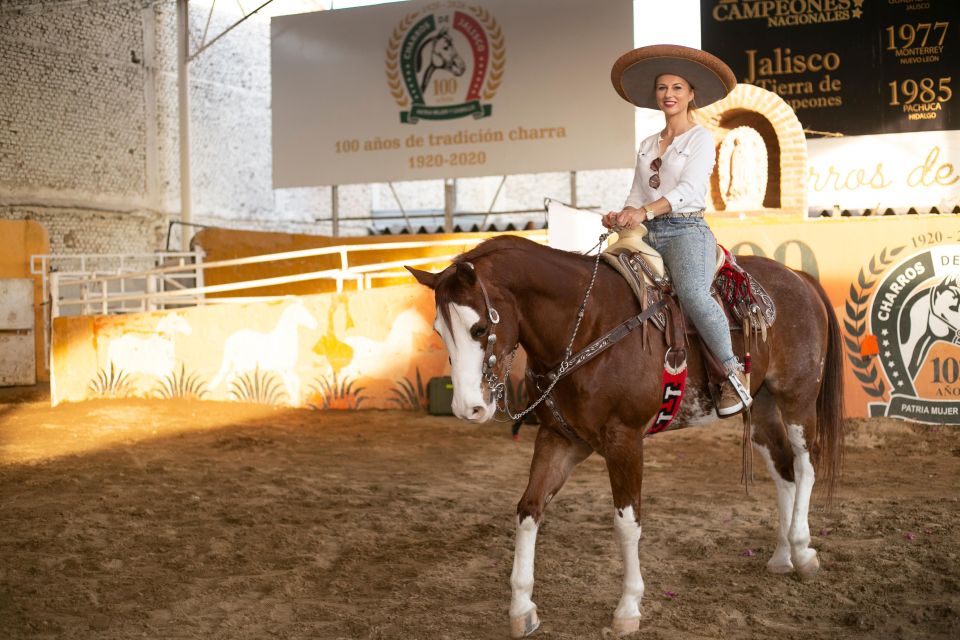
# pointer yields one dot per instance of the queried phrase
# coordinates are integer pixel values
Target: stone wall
(89, 141)
(74, 126)
(91, 231)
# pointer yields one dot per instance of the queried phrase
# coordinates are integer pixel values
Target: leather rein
(570, 362)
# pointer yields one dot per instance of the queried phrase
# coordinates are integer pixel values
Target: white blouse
(684, 172)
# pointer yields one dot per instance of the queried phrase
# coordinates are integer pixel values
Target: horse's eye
(478, 330)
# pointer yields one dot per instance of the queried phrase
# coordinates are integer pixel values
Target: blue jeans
(689, 251)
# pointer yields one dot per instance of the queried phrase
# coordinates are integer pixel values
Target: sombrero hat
(635, 73)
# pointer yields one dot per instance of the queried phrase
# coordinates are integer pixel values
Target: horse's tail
(828, 440)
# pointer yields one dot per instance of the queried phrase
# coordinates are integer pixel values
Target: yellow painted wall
(324, 350)
(20, 239)
(366, 349)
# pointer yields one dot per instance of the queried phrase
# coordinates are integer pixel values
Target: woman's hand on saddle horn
(629, 218)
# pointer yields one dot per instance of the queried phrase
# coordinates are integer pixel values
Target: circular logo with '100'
(914, 314)
(446, 61)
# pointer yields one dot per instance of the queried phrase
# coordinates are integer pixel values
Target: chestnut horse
(608, 402)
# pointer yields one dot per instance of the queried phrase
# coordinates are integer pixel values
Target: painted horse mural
(154, 355)
(526, 294)
(276, 351)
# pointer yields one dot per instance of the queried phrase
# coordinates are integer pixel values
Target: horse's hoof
(779, 569)
(625, 626)
(525, 625)
(809, 570)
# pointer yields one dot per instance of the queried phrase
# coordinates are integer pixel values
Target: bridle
(498, 386)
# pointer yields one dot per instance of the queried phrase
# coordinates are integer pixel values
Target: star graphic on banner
(886, 343)
(886, 354)
(884, 332)
(858, 3)
(890, 363)
(899, 383)
(857, 13)
(895, 373)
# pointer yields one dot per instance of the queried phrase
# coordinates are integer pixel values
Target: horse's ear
(466, 273)
(425, 278)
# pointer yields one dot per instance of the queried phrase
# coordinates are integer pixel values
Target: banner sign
(896, 292)
(853, 67)
(419, 90)
(898, 170)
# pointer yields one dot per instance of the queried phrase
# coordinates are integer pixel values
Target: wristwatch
(649, 215)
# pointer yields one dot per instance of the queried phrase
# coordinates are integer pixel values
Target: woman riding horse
(670, 186)
(510, 292)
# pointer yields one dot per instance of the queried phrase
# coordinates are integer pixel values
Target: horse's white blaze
(521, 579)
(628, 535)
(786, 491)
(804, 476)
(466, 360)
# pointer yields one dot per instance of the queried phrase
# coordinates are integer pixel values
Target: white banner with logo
(899, 170)
(418, 90)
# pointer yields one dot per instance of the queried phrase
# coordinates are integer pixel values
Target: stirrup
(742, 392)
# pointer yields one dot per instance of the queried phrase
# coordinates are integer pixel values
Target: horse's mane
(513, 243)
(492, 248)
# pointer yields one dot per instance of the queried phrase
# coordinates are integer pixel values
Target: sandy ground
(133, 519)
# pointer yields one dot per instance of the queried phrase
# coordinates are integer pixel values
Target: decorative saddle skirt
(743, 299)
(747, 304)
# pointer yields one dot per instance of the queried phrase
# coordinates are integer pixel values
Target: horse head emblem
(933, 315)
(438, 52)
(476, 336)
(945, 303)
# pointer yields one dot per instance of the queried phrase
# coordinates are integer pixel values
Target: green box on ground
(440, 396)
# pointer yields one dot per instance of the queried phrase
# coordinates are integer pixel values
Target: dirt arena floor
(133, 519)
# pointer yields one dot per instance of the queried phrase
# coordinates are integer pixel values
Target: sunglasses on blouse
(655, 178)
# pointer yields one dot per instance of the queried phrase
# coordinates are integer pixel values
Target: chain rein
(498, 386)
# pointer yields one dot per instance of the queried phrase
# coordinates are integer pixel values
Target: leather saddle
(747, 305)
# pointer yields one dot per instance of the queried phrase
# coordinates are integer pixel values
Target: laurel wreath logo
(497, 55)
(497, 51)
(864, 368)
(393, 61)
